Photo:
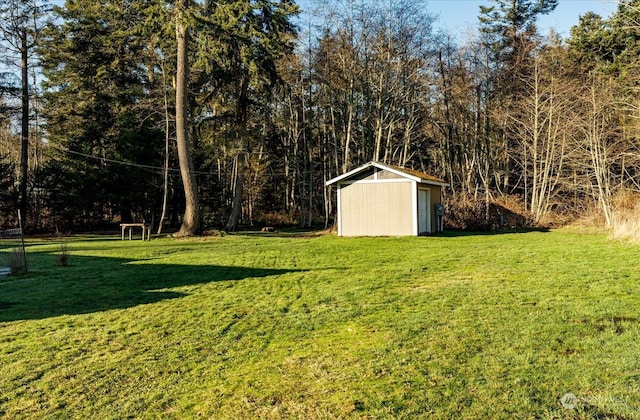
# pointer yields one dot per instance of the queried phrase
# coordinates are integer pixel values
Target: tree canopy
(220, 114)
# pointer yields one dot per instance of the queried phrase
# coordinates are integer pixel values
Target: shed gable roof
(417, 176)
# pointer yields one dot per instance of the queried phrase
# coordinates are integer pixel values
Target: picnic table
(146, 229)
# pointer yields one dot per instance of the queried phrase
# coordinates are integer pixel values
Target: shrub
(64, 255)
(468, 212)
(281, 218)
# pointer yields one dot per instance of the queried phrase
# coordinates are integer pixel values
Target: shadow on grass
(285, 233)
(95, 284)
(459, 233)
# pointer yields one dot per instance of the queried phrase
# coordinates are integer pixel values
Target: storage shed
(377, 199)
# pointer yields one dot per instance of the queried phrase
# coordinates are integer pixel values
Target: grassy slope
(472, 326)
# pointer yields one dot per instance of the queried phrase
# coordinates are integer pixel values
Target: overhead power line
(125, 163)
(107, 160)
(158, 169)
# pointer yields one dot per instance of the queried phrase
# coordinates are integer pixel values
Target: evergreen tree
(612, 45)
(239, 46)
(510, 30)
(510, 35)
(8, 198)
(510, 20)
(97, 80)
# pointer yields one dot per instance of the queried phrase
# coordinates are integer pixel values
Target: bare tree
(20, 25)
(540, 123)
(600, 140)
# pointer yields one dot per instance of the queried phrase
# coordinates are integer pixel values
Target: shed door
(424, 216)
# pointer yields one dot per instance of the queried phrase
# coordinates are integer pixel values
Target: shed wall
(377, 209)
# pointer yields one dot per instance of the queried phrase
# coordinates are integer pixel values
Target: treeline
(275, 104)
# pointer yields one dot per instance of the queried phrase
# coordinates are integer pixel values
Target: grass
(263, 326)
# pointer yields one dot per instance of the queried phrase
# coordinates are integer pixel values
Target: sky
(460, 16)
(457, 15)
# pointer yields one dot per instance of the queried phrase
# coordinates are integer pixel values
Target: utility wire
(159, 169)
(118, 162)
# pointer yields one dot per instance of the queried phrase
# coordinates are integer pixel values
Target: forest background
(221, 114)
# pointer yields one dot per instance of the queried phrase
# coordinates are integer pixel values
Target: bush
(64, 256)
(468, 212)
(281, 218)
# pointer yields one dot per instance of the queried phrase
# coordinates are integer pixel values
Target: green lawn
(248, 326)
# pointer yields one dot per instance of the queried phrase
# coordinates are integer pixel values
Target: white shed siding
(414, 209)
(377, 209)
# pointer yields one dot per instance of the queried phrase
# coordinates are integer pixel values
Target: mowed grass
(520, 325)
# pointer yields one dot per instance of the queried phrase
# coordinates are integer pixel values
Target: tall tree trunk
(236, 209)
(24, 149)
(347, 141)
(191, 221)
(242, 143)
